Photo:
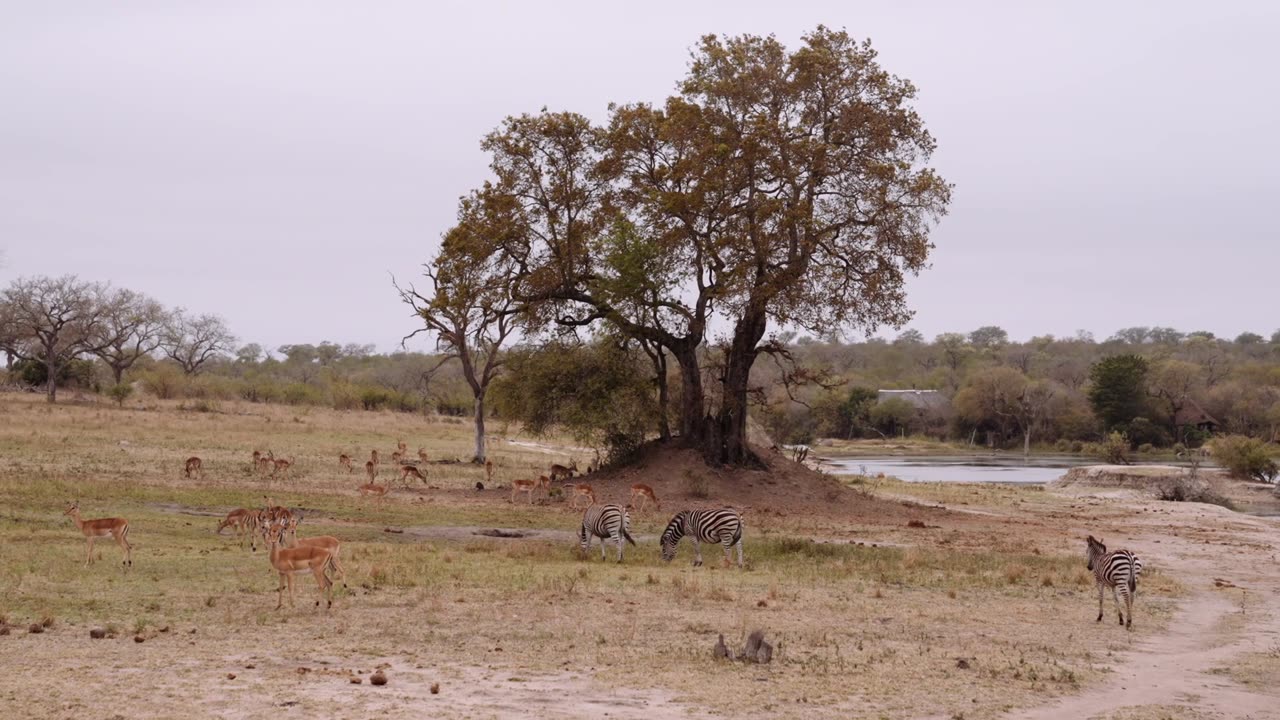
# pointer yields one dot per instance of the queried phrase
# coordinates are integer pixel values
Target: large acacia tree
(776, 187)
(51, 320)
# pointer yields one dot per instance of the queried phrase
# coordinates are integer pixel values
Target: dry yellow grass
(969, 620)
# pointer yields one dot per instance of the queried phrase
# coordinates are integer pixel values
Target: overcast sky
(1115, 164)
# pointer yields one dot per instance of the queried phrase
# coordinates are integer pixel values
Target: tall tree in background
(192, 341)
(52, 320)
(775, 187)
(132, 327)
(470, 309)
(1117, 389)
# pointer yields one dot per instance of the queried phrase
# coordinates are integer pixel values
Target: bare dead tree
(51, 320)
(193, 341)
(132, 327)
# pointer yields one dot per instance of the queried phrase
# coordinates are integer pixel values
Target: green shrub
(164, 381)
(1146, 449)
(302, 394)
(1246, 458)
(1113, 450)
(120, 393)
(1063, 445)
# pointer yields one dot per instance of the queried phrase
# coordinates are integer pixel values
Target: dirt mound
(784, 488)
(1153, 480)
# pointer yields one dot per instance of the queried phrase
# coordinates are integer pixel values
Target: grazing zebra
(605, 522)
(722, 526)
(1117, 570)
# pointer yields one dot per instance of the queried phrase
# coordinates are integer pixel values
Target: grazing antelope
(371, 488)
(396, 457)
(410, 471)
(488, 471)
(644, 494)
(328, 542)
(281, 466)
(422, 455)
(292, 561)
(194, 466)
(529, 487)
(262, 463)
(344, 460)
(562, 472)
(583, 491)
(373, 457)
(116, 528)
(274, 513)
(371, 469)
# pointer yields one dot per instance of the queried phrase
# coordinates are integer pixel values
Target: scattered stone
(378, 678)
(355, 680)
(304, 670)
(97, 633)
(164, 629)
(231, 676)
(962, 664)
(250, 666)
(435, 688)
(139, 638)
(762, 603)
(35, 629)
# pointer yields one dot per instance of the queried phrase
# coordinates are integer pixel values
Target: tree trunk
(692, 419)
(1026, 442)
(664, 396)
(728, 439)
(118, 372)
(479, 456)
(51, 380)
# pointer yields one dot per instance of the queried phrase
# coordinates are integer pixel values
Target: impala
(193, 467)
(583, 491)
(488, 471)
(370, 488)
(371, 469)
(281, 466)
(422, 455)
(262, 463)
(292, 561)
(408, 471)
(529, 487)
(116, 528)
(644, 494)
(245, 522)
(563, 472)
(396, 457)
(402, 446)
(328, 542)
(344, 460)
(373, 456)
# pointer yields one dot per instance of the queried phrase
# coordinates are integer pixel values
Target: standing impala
(422, 455)
(564, 472)
(643, 493)
(193, 467)
(410, 471)
(344, 460)
(292, 561)
(117, 528)
(328, 542)
(529, 487)
(582, 491)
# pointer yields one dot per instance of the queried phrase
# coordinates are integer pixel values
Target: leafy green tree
(1248, 338)
(1117, 389)
(1172, 383)
(53, 321)
(989, 337)
(894, 416)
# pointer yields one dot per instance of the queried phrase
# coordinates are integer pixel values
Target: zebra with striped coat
(1117, 570)
(722, 526)
(607, 522)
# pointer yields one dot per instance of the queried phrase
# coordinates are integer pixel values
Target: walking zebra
(722, 526)
(1117, 570)
(605, 522)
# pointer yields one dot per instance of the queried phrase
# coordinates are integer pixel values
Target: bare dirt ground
(884, 599)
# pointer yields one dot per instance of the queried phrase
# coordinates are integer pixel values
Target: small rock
(378, 678)
(35, 629)
(4, 629)
(97, 633)
(304, 670)
(231, 676)
(962, 664)
(356, 680)
(762, 603)
(250, 666)
(164, 629)
(435, 688)
(139, 638)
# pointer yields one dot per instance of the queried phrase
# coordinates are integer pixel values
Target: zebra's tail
(1133, 576)
(627, 535)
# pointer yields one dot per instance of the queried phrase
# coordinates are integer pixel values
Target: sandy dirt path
(1178, 674)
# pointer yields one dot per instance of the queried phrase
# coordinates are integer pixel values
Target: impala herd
(277, 526)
